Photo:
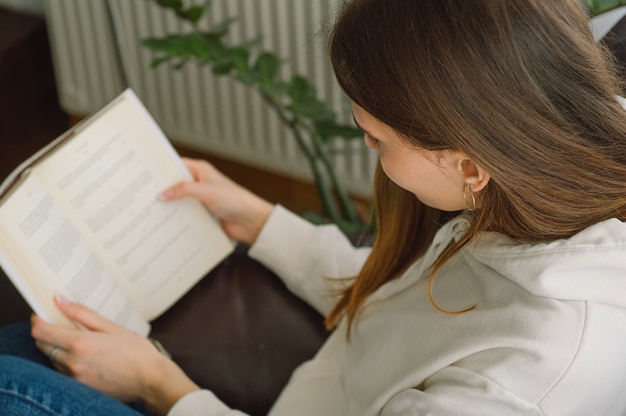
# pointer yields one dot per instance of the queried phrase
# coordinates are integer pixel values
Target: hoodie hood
(590, 266)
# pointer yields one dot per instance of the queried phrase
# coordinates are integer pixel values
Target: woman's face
(437, 179)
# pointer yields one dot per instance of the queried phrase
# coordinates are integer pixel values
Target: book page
(53, 258)
(107, 179)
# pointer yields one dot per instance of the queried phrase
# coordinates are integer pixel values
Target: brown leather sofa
(238, 332)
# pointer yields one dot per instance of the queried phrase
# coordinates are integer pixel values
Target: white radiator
(97, 53)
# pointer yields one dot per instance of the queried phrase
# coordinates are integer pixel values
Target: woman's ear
(473, 174)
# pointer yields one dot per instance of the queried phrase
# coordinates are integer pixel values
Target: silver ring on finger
(53, 353)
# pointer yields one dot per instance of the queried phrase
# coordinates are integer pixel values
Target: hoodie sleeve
(202, 403)
(315, 262)
(460, 392)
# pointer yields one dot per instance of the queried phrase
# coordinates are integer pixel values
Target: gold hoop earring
(469, 187)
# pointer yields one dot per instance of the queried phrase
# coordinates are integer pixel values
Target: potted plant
(295, 101)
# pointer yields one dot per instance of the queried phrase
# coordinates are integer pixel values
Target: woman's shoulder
(589, 266)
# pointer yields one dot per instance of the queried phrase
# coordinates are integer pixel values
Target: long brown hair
(520, 86)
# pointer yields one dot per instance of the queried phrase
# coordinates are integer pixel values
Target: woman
(496, 283)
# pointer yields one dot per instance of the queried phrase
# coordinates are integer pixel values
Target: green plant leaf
(223, 67)
(193, 14)
(313, 217)
(601, 6)
(304, 101)
(596, 7)
(267, 65)
(158, 61)
(175, 5)
(240, 57)
(276, 90)
(199, 46)
(299, 89)
(306, 104)
(247, 78)
(330, 129)
(156, 44)
(313, 109)
(216, 50)
(179, 45)
(352, 227)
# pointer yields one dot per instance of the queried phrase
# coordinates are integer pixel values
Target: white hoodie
(547, 335)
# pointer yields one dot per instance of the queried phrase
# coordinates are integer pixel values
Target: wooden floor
(30, 115)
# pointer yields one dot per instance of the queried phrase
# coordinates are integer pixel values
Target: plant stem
(342, 194)
(325, 192)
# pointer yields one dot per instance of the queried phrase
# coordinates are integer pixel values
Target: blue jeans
(30, 386)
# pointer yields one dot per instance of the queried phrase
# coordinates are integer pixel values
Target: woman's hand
(242, 213)
(111, 359)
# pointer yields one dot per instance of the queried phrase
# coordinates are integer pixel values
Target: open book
(82, 218)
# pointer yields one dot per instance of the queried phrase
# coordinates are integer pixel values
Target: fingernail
(167, 194)
(62, 300)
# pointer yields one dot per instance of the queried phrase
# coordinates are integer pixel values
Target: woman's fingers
(185, 189)
(52, 340)
(198, 168)
(52, 351)
(49, 335)
(203, 171)
(241, 212)
(110, 358)
(84, 316)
